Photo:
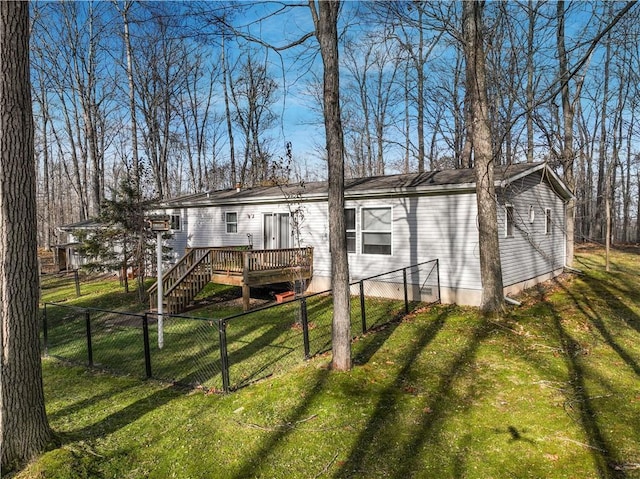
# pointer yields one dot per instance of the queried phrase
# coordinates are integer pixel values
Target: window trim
(172, 221)
(548, 225)
(227, 223)
(509, 220)
(363, 231)
(353, 230)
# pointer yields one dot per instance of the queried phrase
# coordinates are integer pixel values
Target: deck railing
(229, 260)
(233, 261)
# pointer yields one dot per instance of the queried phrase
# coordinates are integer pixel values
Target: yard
(550, 390)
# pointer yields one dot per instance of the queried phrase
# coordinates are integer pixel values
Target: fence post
(45, 330)
(76, 277)
(438, 277)
(224, 358)
(363, 312)
(87, 317)
(305, 326)
(147, 349)
(406, 293)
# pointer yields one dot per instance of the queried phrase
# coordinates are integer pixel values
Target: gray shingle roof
(374, 185)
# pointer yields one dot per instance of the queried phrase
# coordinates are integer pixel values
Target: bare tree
(227, 111)
(24, 430)
(125, 10)
(373, 65)
(490, 266)
(325, 19)
(568, 112)
(253, 93)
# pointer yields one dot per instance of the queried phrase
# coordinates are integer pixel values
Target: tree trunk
(132, 95)
(326, 25)
(420, 91)
(567, 146)
(476, 94)
(227, 111)
(638, 212)
(602, 158)
(530, 86)
(24, 430)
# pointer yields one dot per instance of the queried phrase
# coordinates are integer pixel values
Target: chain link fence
(66, 284)
(224, 354)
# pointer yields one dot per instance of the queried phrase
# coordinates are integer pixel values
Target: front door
(277, 230)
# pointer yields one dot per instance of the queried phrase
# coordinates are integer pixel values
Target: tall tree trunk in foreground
(24, 430)
(490, 266)
(567, 145)
(326, 25)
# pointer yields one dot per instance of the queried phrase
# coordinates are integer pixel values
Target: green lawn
(551, 390)
(260, 343)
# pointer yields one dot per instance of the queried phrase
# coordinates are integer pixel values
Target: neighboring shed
(392, 221)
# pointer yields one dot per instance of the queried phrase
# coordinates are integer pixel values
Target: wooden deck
(235, 266)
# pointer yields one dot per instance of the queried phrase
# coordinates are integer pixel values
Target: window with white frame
(175, 223)
(350, 228)
(376, 230)
(547, 221)
(231, 221)
(509, 218)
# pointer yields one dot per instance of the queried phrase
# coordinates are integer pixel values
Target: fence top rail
(395, 270)
(65, 272)
(300, 298)
(274, 305)
(244, 313)
(97, 310)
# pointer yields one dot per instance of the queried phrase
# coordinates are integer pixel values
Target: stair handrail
(170, 272)
(187, 273)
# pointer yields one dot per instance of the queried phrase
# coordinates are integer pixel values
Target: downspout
(512, 301)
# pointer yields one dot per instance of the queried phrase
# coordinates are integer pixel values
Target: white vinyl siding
(425, 228)
(532, 250)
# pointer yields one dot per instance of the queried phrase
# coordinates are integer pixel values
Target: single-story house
(67, 255)
(391, 222)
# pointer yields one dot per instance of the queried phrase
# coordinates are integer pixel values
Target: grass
(550, 390)
(259, 344)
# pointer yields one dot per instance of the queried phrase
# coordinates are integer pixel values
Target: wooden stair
(183, 281)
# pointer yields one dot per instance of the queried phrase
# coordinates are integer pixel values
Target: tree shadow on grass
(366, 445)
(299, 413)
(590, 311)
(600, 448)
(78, 406)
(122, 417)
(576, 392)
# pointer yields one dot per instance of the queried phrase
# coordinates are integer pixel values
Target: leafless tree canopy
(193, 96)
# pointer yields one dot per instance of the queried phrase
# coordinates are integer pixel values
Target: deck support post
(246, 297)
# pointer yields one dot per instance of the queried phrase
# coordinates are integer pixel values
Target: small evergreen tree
(121, 240)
